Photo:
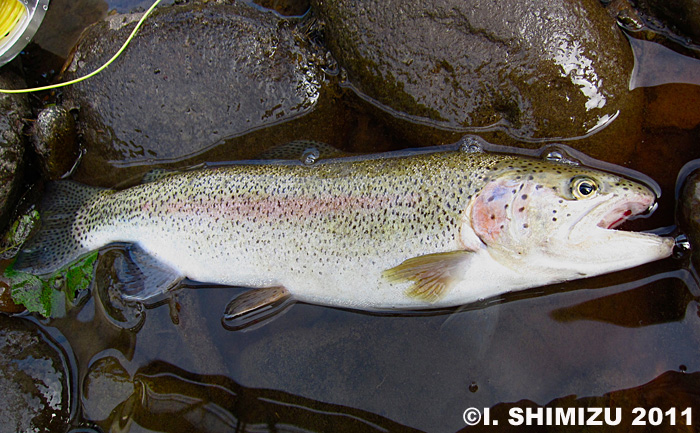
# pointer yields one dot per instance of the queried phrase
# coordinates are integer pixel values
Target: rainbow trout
(404, 232)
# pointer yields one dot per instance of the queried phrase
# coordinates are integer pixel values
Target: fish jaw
(612, 250)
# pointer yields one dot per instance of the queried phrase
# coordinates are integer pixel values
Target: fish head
(561, 220)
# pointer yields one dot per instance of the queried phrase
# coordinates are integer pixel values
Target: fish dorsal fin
(294, 150)
(432, 274)
(157, 174)
(143, 276)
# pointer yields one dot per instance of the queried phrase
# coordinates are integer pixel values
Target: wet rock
(689, 209)
(286, 7)
(55, 142)
(682, 16)
(13, 110)
(538, 70)
(106, 386)
(195, 75)
(33, 383)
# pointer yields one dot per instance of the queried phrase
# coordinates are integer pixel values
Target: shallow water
(172, 366)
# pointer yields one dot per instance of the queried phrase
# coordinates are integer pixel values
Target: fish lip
(623, 210)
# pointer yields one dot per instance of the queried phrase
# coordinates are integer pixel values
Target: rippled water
(628, 340)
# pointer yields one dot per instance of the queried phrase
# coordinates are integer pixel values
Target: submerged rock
(13, 110)
(106, 385)
(538, 70)
(682, 16)
(195, 74)
(33, 383)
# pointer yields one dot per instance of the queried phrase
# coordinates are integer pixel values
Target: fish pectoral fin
(255, 307)
(432, 274)
(143, 276)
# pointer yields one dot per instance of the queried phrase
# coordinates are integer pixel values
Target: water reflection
(166, 398)
(660, 298)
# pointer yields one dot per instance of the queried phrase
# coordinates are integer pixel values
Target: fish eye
(583, 187)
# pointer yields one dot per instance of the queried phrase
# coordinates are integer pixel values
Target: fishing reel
(19, 21)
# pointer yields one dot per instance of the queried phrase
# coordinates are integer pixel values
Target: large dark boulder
(14, 109)
(195, 75)
(537, 70)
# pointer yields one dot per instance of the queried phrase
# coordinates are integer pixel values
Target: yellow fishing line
(96, 71)
(11, 12)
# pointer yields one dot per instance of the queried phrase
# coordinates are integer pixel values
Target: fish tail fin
(56, 243)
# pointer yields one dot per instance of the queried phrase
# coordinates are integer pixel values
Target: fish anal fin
(432, 274)
(142, 276)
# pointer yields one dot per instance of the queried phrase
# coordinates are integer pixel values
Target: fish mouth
(608, 248)
(625, 210)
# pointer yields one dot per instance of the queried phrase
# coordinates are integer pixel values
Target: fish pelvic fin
(56, 245)
(256, 307)
(256, 299)
(432, 274)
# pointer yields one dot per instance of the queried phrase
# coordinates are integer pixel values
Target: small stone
(55, 141)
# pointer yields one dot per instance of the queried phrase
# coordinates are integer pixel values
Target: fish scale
(369, 233)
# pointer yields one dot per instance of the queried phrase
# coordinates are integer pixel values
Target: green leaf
(48, 295)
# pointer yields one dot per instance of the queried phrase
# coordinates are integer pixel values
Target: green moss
(18, 232)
